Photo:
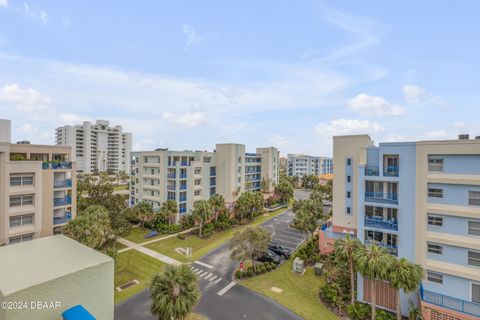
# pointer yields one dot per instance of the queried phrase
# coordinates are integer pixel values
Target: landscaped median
(298, 293)
(201, 246)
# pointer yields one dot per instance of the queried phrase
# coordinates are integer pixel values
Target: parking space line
(211, 274)
(204, 264)
(213, 278)
(218, 280)
(201, 276)
(193, 269)
(287, 241)
(294, 238)
(288, 246)
(294, 233)
(228, 287)
(198, 271)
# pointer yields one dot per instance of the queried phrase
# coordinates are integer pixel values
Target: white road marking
(283, 235)
(293, 233)
(193, 269)
(213, 278)
(218, 280)
(294, 243)
(228, 287)
(203, 274)
(204, 264)
(211, 274)
(198, 271)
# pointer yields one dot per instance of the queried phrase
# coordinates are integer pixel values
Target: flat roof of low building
(41, 260)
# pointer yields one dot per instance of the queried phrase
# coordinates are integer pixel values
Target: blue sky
(189, 74)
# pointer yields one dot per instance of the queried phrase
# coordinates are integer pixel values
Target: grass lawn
(200, 246)
(195, 316)
(120, 245)
(132, 265)
(120, 187)
(137, 235)
(300, 292)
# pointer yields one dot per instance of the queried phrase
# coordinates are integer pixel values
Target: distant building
(187, 176)
(324, 178)
(301, 165)
(54, 274)
(283, 163)
(38, 190)
(418, 200)
(97, 147)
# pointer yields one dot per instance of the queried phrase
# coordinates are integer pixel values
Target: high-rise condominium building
(418, 200)
(301, 165)
(187, 176)
(97, 147)
(37, 190)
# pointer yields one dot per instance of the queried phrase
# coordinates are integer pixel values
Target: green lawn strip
(120, 246)
(299, 292)
(120, 187)
(195, 316)
(200, 246)
(137, 235)
(132, 265)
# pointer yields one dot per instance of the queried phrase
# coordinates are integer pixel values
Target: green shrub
(208, 229)
(268, 267)
(238, 274)
(263, 269)
(359, 311)
(250, 273)
(181, 236)
(250, 268)
(329, 292)
(384, 315)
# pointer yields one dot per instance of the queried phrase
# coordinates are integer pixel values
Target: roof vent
(463, 137)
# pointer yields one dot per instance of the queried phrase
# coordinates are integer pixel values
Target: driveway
(221, 297)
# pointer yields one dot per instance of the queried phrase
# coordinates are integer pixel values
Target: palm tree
(345, 249)
(373, 263)
(249, 244)
(144, 212)
(405, 276)
(174, 292)
(169, 210)
(201, 212)
(248, 204)
(217, 202)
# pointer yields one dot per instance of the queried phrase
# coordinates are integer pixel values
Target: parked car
(280, 250)
(270, 256)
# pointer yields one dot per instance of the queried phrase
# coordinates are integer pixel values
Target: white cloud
(280, 141)
(413, 94)
(373, 106)
(192, 36)
(27, 128)
(187, 119)
(345, 127)
(27, 100)
(34, 12)
(4, 3)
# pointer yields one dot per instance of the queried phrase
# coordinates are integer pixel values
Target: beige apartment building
(37, 189)
(188, 176)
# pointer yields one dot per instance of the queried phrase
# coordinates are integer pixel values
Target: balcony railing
(183, 176)
(183, 187)
(171, 198)
(183, 210)
(59, 220)
(171, 176)
(391, 171)
(213, 173)
(381, 223)
(381, 197)
(371, 171)
(67, 183)
(170, 187)
(336, 235)
(67, 200)
(441, 300)
(57, 165)
(183, 199)
(389, 248)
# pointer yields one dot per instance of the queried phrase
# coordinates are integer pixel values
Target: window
(26, 237)
(474, 258)
(435, 193)
(435, 165)
(349, 178)
(197, 192)
(349, 210)
(21, 221)
(349, 194)
(473, 228)
(24, 200)
(476, 292)
(207, 159)
(198, 181)
(16, 180)
(474, 198)
(434, 248)
(435, 221)
(349, 162)
(198, 170)
(434, 277)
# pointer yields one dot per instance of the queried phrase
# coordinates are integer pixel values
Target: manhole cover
(127, 285)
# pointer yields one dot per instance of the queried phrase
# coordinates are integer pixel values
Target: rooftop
(35, 262)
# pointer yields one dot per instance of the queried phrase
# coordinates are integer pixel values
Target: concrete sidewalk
(148, 252)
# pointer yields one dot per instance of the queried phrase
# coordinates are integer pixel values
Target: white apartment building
(37, 189)
(188, 176)
(301, 165)
(97, 147)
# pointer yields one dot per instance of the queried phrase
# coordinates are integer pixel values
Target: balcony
(391, 249)
(182, 210)
(213, 173)
(171, 187)
(56, 165)
(381, 197)
(381, 223)
(59, 220)
(183, 199)
(183, 176)
(67, 183)
(467, 307)
(336, 235)
(371, 171)
(67, 200)
(183, 187)
(185, 163)
(391, 171)
(171, 176)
